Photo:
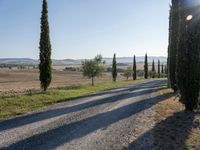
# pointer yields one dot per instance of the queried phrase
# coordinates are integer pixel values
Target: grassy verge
(12, 105)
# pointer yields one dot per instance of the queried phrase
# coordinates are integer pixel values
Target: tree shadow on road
(169, 134)
(68, 132)
(27, 119)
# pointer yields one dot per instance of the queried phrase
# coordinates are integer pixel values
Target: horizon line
(75, 58)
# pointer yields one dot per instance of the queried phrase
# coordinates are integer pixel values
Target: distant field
(20, 80)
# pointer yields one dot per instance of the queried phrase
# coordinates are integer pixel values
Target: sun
(189, 17)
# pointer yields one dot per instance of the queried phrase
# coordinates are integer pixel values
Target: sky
(84, 28)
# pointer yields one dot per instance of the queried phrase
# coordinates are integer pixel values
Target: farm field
(21, 80)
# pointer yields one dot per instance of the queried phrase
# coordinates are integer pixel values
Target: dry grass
(16, 80)
(176, 129)
(16, 104)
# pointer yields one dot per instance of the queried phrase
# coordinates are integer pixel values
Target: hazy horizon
(76, 58)
(81, 30)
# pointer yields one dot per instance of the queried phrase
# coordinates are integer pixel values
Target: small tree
(134, 68)
(128, 73)
(153, 69)
(146, 67)
(45, 50)
(114, 68)
(93, 68)
(158, 68)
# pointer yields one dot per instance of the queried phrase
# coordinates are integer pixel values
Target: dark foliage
(159, 69)
(188, 56)
(114, 68)
(45, 50)
(153, 69)
(146, 67)
(173, 44)
(134, 68)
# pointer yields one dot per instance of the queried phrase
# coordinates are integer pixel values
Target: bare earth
(112, 120)
(21, 80)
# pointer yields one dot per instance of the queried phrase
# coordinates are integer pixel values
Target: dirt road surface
(111, 120)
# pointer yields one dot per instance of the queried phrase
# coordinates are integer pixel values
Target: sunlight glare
(189, 17)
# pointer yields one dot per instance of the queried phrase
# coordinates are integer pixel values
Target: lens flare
(189, 17)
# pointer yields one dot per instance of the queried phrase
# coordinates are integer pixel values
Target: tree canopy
(93, 67)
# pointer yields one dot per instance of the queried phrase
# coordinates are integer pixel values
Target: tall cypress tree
(146, 67)
(188, 58)
(134, 68)
(153, 69)
(169, 47)
(45, 50)
(173, 44)
(158, 68)
(166, 70)
(114, 68)
(162, 69)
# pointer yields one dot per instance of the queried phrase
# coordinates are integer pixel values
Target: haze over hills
(122, 60)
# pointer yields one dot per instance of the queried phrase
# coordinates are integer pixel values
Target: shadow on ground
(169, 134)
(123, 92)
(72, 131)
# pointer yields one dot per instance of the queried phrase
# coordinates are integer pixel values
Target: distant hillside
(120, 60)
(18, 61)
(29, 61)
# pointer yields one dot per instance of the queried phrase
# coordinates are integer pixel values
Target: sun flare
(189, 17)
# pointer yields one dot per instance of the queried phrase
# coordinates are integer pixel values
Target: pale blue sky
(83, 28)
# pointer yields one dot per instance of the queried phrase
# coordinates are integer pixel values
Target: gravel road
(110, 120)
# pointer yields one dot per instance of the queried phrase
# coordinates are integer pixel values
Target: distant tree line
(146, 73)
(184, 51)
(23, 66)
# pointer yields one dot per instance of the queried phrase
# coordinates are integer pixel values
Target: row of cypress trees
(184, 51)
(159, 73)
(45, 65)
(134, 71)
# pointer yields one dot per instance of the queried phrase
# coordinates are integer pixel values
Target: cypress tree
(146, 67)
(153, 69)
(114, 68)
(166, 70)
(134, 68)
(188, 56)
(162, 69)
(169, 46)
(45, 50)
(173, 44)
(158, 68)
